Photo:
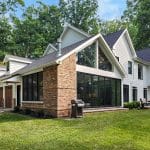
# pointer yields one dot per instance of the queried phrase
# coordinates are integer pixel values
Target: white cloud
(111, 9)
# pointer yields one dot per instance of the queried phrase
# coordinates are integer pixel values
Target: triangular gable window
(103, 62)
(87, 56)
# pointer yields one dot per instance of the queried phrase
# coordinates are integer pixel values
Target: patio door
(8, 96)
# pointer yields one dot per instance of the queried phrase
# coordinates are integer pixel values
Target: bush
(132, 105)
(17, 109)
(27, 111)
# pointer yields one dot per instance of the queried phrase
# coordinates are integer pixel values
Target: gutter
(142, 61)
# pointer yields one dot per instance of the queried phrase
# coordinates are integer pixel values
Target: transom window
(33, 87)
(140, 72)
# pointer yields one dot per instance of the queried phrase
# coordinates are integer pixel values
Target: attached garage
(1, 97)
(8, 96)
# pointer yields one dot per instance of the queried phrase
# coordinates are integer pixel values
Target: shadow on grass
(12, 117)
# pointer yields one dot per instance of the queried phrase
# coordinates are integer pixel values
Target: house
(100, 70)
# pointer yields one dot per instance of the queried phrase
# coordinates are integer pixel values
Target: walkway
(102, 109)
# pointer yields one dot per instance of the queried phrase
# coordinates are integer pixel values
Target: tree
(137, 18)
(143, 24)
(5, 36)
(81, 14)
(40, 25)
(111, 26)
(9, 5)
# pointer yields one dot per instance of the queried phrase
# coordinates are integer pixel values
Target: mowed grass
(129, 130)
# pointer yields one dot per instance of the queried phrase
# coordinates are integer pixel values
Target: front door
(1, 97)
(8, 96)
(126, 93)
(18, 95)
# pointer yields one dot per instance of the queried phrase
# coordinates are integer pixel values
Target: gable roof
(50, 58)
(112, 38)
(144, 54)
(67, 26)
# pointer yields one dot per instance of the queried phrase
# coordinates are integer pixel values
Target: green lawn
(128, 130)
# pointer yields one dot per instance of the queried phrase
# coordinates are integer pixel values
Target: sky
(108, 9)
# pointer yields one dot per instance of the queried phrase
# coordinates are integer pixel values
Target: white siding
(14, 66)
(71, 37)
(123, 51)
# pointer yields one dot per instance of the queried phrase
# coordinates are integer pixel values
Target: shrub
(17, 109)
(27, 111)
(132, 105)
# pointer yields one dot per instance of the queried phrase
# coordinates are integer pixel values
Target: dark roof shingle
(144, 54)
(112, 38)
(50, 57)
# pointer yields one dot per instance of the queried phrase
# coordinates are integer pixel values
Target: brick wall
(59, 88)
(66, 85)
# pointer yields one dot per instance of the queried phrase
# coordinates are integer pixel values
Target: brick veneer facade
(59, 88)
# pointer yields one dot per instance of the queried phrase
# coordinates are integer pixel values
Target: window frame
(130, 67)
(140, 72)
(31, 88)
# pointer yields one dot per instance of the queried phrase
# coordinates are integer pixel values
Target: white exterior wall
(123, 51)
(71, 37)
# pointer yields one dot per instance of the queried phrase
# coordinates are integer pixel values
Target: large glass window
(129, 67)
(33, 87)
(98, 91)
(104, 63)
(87, 56)
(126, 93)
(140, 72)
(145, 93)
(134, 93)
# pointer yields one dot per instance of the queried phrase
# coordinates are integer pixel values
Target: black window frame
(145, 93)
(33, 87)
(140, 72)
(134, 93)
(130, 66)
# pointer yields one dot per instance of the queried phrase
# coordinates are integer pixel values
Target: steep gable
(112, 38)
(72, 35)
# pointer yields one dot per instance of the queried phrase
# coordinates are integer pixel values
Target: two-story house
(100, 70)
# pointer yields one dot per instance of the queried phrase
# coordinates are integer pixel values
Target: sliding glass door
(98, 91)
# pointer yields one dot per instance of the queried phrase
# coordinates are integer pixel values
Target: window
(129, 67)
(104, 63)
(7, 66)
(134, 93)
(33, 87)
(145, 93)
(126, 93)
(98, 91)
(140, 72)
(87, 56)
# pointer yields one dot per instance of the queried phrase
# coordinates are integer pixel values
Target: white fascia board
(119, 66)
(137, 59)
(17, 60)
(129, 41)
(79, 48)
